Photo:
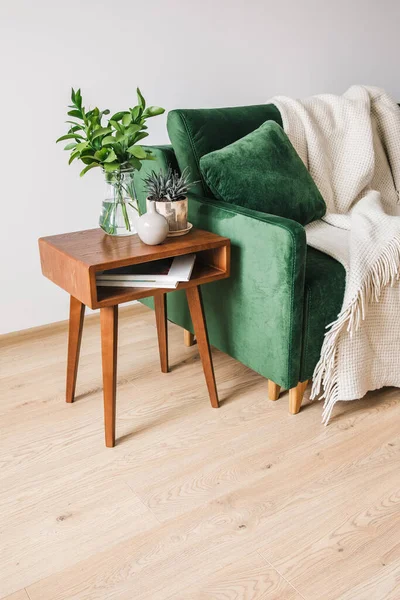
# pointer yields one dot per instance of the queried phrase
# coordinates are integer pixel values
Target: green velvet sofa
(272, 312)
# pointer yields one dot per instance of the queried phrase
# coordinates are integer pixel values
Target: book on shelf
(164, 273)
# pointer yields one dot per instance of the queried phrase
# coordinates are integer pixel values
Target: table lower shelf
(108, 296)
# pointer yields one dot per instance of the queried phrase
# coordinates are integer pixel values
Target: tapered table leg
(162, 329)
(109, 341)
(76, 316)
(193, 295)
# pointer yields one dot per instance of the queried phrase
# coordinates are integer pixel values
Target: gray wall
(181, 53)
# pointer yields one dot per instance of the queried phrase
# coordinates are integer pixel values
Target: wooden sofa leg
(188, 338)
(273, 390)
(296, 397)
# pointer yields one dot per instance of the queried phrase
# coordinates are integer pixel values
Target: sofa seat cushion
(195, 132)
(325, 280)
(262, 171)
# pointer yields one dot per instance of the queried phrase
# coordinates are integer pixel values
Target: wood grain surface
(160, 308)
(20, 595)
(94, 248)
(241, 503)
(71, 261)
(109, 350)
(76, 318)
(195, 303)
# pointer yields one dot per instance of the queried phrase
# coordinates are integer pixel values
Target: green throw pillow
(263, 171)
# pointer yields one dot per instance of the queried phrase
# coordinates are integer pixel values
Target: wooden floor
(237, 503)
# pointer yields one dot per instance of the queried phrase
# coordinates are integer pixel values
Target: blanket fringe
(385, 271)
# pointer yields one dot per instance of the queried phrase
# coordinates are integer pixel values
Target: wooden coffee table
(71, 261)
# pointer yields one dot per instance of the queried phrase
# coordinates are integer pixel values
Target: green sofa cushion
(325, 280)
(262, 171)
(195, 132)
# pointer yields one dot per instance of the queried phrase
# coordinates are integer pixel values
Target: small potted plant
(168, 189)
(113, 147)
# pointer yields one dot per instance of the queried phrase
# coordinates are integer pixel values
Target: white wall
(182, 54)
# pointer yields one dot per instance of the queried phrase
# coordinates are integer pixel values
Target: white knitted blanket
(351, 146)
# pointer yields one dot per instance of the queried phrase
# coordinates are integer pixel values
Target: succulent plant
(168, 186)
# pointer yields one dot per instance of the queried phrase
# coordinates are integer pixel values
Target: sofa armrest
(267, 283)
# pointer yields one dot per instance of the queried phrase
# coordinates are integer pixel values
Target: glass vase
(119, 210)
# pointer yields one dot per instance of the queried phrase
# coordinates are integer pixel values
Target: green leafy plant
(112, 146)
(168, 186)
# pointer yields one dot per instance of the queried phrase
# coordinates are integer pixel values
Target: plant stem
(129, 189)
(120, 199)
(113, 215)
(126, 218)
(106, 218)
(121, 196)
(137, 208)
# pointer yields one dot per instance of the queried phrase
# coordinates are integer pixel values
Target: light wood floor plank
(60, 519)
(363, 551)
(184, 502)
(20, 595)
(178, 486)
(218, 534)
(248, 579)
(386, 584)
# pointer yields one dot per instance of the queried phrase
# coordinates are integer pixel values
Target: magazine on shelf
(137, 284)
(165, 273)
